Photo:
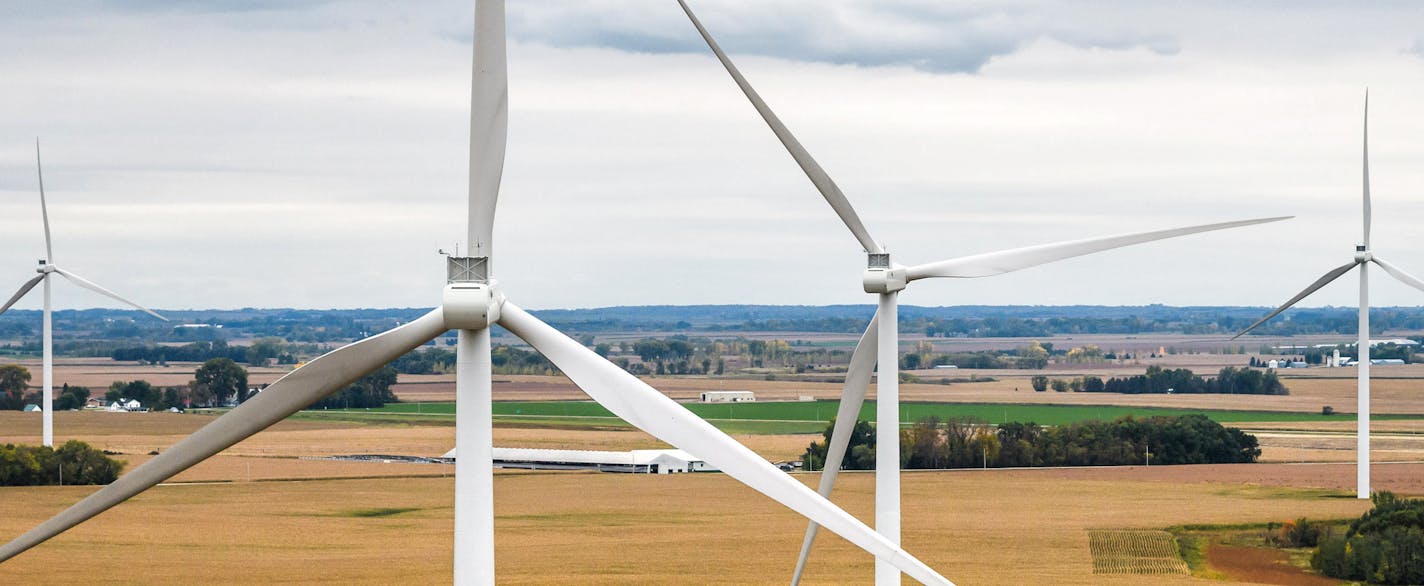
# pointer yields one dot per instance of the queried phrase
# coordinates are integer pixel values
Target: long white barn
(635, 461)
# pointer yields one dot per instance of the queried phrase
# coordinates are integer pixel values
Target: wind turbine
(472, 302)
(1362, 258)
(45, 269)
(880, 342)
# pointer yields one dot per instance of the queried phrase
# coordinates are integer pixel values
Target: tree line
(1383, 546)
(934, 443)
(75, 462)
(1229, 380)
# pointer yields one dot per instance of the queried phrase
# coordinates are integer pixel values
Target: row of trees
(372, 390)
(934, 443)
(73, 463)
(260, 352)
(1229, 380)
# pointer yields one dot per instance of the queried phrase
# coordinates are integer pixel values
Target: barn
(728, 397)
(635, 461)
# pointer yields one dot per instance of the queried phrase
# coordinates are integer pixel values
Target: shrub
(1299, 533)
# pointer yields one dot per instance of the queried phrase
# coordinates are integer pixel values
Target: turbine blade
(1403, 277)
(1321, 282)
(862, 365)
(489, 121)
(44, 209)
(997, 263)
(289, 394)
(813, 170)
(30, 284)
(92, 286)
(1367, 169)
(646, 408)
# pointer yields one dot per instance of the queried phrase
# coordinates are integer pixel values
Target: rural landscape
(1038, 320)
(385, 519)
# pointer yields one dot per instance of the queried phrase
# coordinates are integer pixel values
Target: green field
(804, 417)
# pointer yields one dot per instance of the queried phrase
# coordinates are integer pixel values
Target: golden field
(260, 514)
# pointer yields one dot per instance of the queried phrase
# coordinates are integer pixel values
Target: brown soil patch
(1262, 566)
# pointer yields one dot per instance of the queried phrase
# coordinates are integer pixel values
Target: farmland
(587, 412)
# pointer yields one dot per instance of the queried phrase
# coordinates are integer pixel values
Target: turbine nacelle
(883, 276)
(1362, 254)
(471, 305)
(45, 268)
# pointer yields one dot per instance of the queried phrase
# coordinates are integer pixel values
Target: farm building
(728, 397)
(635, 461)
(32, 408)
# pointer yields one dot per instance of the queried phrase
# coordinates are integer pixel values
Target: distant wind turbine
(472, 302)
(45, 269)
(1362, 258)
(879, 345)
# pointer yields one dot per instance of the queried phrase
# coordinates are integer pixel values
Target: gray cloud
(927, 35)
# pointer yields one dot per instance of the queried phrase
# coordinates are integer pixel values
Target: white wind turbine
(45, 269)
(879, 345)
(471, 302)
(1363, 256)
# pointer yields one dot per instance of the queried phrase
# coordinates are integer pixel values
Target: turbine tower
(472, 302)
(879, 345)
(45, 269)
(1363, 256)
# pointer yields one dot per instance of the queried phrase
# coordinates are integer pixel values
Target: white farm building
(728, 397)
(635, 461)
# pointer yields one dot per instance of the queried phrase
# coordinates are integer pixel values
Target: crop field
(588, 528)
(1129, 551)
(264, 511)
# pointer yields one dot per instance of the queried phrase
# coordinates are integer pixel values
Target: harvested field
(585, 528)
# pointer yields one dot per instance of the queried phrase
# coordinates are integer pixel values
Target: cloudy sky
(313, 154)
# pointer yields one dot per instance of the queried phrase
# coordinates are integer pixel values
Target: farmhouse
(635, 461)
(728, 397)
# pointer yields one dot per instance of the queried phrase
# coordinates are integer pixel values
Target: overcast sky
(223, 154)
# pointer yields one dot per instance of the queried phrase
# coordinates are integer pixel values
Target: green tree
(14, 379)
(1040, 383)
(71, 398)
(860, 451)
(263, 350)
(220, 379)
(372, 390)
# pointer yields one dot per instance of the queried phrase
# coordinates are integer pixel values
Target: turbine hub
(470, 305)
(1362, 254)
(882, 276)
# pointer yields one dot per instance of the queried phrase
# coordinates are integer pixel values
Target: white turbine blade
(862, 365)
(44, 209)
(1395, 272)
(92, 286)
(291, 393)
(1367, 170)
(996, 263)
(30, 284)
(651, 411)
(813, 170)
(489, 121)
(1321, 282)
